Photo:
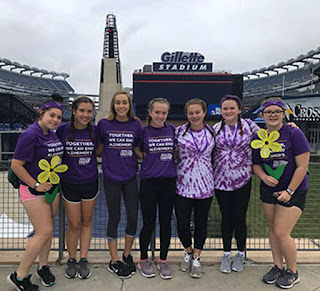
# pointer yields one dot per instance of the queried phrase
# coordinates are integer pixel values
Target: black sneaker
(129, 263)
(288, 279)
(119, 269)
(25, 284)
(84, 271)
(47, 278)
(71, 269)
(272, 276)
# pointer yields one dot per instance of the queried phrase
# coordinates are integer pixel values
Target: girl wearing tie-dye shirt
(194, 183)
(232, 171)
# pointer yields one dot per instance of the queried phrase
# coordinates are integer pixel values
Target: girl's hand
(282, 196)
(270, 181)
(44, 187)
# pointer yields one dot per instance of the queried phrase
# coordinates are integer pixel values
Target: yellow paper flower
(49, 171)
(266, 142)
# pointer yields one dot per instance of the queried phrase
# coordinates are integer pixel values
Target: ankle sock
(227, 254)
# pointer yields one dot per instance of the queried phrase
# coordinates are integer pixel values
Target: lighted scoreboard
(180, 77)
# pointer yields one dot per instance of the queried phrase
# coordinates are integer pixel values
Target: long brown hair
(113, 114)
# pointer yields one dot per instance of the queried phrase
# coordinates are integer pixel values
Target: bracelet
(290, 191)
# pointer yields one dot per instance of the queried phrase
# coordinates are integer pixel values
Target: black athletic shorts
(76, 193)
(297, 199)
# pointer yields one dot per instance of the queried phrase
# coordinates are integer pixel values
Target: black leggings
(129, 190)
(233, 206)
(201, 209)
(153, 192)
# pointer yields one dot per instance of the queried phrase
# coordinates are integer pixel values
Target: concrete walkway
(212, 279)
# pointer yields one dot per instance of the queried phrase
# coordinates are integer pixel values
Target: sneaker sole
(44, 283)
(225, 271)
(195, 276)
(269, 282)
(70, 277)
(290, 286)
(236, 270)
(82, 278)
(12, 283)
(162, 276)
(121, 277)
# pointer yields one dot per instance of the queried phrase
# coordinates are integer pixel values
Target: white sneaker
(196, 269)
(186, 263)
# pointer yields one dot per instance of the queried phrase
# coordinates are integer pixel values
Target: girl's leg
(269, 211)
(285, 219)
(201, 212)
(225, 204)
(183, 208)
(113, 198)
(87, 208)
(39, 213)
(73, 211)
(240, 202)
(166, 196)
(131, 200)
(44, 254)
(148, 203)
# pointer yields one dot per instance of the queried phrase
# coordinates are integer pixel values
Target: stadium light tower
(110, 75)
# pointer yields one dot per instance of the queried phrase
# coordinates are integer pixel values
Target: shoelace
(196, 262)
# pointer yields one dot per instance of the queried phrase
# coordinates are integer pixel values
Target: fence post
(61, 230)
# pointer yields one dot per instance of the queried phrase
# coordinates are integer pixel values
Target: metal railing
(15, 228)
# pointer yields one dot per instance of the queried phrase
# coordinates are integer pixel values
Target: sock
(162, 261)
(227, 254)
(240, 253)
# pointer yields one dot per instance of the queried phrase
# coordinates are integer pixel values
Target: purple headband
(231, 97)
(272, 102)
(52, 104)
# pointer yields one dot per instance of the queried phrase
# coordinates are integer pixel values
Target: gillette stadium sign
(182, 62)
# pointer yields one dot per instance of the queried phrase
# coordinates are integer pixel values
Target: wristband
(289, 191)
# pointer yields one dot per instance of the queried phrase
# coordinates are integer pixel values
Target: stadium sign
(182, 62)
(307, 109)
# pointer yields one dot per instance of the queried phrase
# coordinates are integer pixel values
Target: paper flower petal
(265, 152)
(54, 178)
(274, 135)
(44, 165)
(60, 168)
(55, 161)
(276, 147)
(262, 134)
(43, 176)
(257, 143)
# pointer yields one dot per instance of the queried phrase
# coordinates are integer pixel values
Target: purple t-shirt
(293, 143)
(33, 145)
(119, 162)
(79, 155)
(159, 145)
(194, 172)
(232, 162)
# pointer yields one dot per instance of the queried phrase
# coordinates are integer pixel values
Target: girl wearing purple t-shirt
(232, 171)
(195, 186)
(80, 183)
(157, 186)
(119, 136)
(38, 142)
(283, 199)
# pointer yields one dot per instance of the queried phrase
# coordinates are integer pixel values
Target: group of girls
(210, 161)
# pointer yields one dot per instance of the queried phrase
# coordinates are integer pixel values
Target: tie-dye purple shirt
(194, 173)
(232, 166)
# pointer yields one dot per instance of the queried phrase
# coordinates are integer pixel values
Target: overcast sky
(236, 36)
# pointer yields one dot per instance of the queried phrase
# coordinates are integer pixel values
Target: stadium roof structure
(308, 58)
(32, 70)
(296, 76)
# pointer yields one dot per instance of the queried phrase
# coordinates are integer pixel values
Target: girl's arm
(18, 168)
(99, 150)
(139, 153)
